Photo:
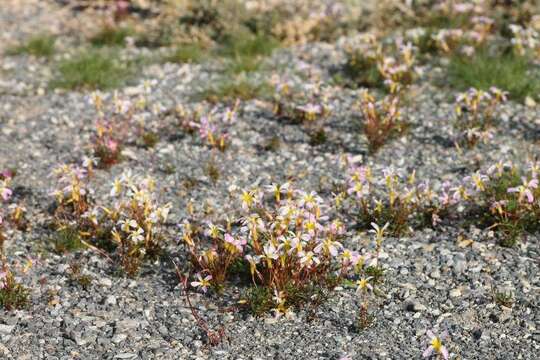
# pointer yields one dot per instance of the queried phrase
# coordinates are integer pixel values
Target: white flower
(137, 235)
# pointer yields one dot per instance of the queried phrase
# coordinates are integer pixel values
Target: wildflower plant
(376, 65)
(475, 110)
(508, 199)
(5, 195)
(293, 250)
(13, 295)
(137, 220)
(382, 119)
(213, 128)
(525, 40)
(73, 194)
(119, 121)
(300, 105)
(308, 106)
(394, 198)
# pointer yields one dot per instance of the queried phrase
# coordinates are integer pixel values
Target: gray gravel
(431, 281)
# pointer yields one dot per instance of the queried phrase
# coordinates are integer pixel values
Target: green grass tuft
(232, 89)
(40, 45)
(246, 51)
(13, 296)
(508, 72)
(111, 36)
(361, 71)
(188, 53)
(92, 70)
(67, 240)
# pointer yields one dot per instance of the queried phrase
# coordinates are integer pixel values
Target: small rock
(455, 293)
(111, 300)
(6, 329)
(125, 356)
(123, 325)
(118, 338)
(105, 282)
(415, 306)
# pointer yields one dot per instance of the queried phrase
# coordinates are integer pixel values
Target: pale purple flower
(202, 283)
(5, 193)
(525, 190)
(237, 243)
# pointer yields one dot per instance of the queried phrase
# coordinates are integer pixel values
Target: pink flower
(238, 243)
(6, 174)
(5, 193)
(525, 190)
(112, 145)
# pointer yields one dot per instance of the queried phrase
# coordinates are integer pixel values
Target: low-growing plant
(13, 295)
(375, 66)
(294, 253)
(186, 53)
(506, 197)
(136, 220)
(67, 239)
(504, 298)
(73, 196)
(111, 35)
(92, 70)
(118, 123)
(232, 89)
(39, 45)
(212, 127)
(131, 228)
(303, 106)
(475, 110)
(382, 119)
(395, 199)
(307, 107)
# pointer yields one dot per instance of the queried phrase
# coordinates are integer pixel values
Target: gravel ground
(432, 278)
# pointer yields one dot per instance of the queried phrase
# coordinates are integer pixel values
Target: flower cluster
(12, 294)
(120, 119)
(5, 195)
(136, 219)
(372, 64)
(506, 197)
(132, 224)
(399, 72)
(285, 240)
(396, 199)
(302, 106)
(382, 119)
(73, 195)
(474, 111)
(524, 39)
(212, 127)
(511, 199)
